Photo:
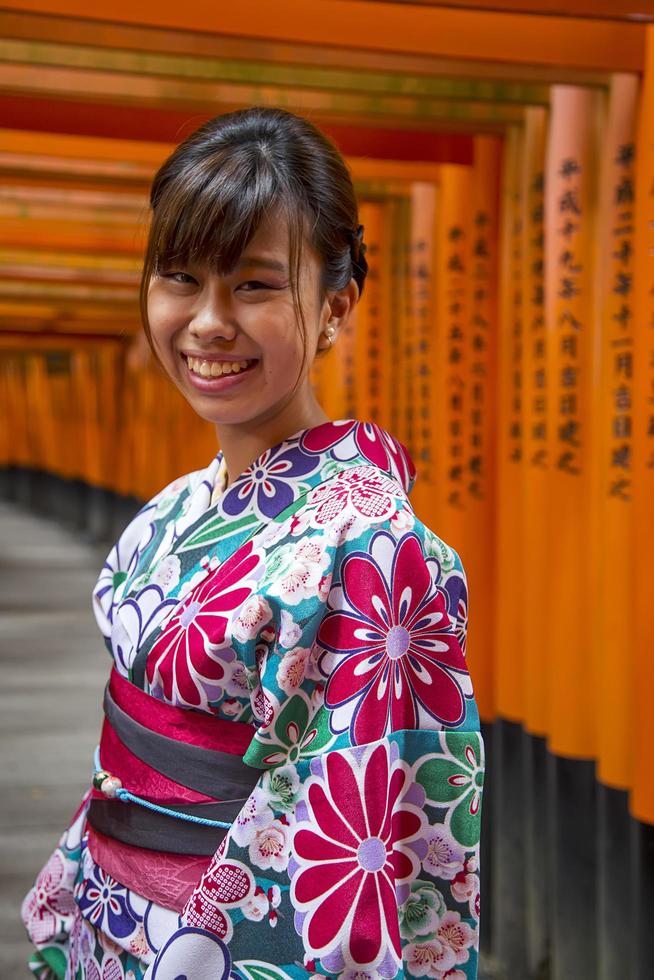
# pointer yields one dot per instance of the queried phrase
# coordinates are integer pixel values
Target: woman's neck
(242, 443)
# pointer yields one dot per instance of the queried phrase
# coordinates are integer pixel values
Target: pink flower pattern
(348, 438)
(226, 884)
(188, 662)
(331, 626)
(352, 852)
(48, 901)
(110, 970)
(360, 490)
(391, 654)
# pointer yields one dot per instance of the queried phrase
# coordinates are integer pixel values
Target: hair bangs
(210, 196)
(208, 215)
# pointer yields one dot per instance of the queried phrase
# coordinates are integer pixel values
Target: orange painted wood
(478, 548)
(570, 229)
(450, 33)
(596, 9)
(366, 340)
(421, 285)
(642, 607)
(450, 374)
(611, 539)
(509, 577)
(137, 124)
(535, 536)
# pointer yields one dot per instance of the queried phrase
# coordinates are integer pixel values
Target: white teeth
(214, 369)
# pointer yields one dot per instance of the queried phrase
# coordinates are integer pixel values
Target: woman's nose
(212, 319)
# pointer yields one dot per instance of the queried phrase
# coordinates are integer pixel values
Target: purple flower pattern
(269, 484)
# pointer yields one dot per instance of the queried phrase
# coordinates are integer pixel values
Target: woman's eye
(181, 277)
(252, 284)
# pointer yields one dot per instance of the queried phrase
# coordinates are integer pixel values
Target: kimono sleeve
(357, 852)
(125, 554)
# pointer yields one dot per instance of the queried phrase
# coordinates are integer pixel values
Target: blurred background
(503, 154)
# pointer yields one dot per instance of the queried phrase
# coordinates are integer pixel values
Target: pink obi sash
(187, 763)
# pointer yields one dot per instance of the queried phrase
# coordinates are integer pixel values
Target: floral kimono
(289, 777)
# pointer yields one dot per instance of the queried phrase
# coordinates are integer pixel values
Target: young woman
(289, 774)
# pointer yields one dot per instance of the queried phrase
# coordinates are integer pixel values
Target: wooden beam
(633, 10)
(137, 125)
(134, 37)
(266, 73)
(69, 293)
(15, 340)
(450, 33)
(105, 87)
(76, 155)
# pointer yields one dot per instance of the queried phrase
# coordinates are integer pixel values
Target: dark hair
(209, 197)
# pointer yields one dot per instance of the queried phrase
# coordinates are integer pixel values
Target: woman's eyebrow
(263, 261)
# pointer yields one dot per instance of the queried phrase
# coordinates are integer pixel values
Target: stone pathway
(53, 667)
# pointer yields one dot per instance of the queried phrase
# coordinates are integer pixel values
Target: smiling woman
(288, 782)
(234, 335)
(255, 254)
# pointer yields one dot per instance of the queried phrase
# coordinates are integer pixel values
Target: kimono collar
(270, 483)
(279, 479)
(203, 533)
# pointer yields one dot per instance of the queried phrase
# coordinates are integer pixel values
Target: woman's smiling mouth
(209, 374)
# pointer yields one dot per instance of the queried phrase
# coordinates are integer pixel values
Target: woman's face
(232, 344)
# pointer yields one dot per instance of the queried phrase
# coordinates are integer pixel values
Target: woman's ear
(337, 309)
(342, 304)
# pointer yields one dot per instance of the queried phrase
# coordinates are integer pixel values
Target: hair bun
(358, 246)
(358, 250)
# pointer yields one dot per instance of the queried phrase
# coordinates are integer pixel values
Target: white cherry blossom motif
(401, 521)
(280, 786)
(271, 846)
(274, 532)
(433, 959)
(263, 904)
(165, 574)
(465, 888)
(254, 816)
(444, 857)
(297, 666)
(295, 569)
(292, 669)
(439, 956)
(254, 614)
(458, 935)
(289, 631)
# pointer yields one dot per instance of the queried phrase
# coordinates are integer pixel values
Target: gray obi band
(223, 776)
